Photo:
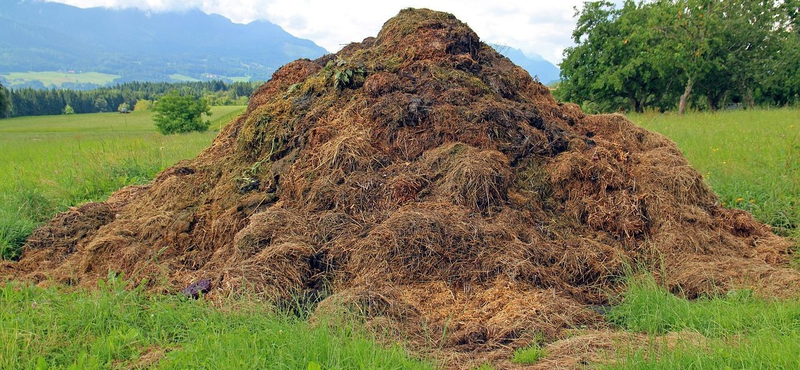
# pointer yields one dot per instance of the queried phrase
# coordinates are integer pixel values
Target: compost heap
(423, 180)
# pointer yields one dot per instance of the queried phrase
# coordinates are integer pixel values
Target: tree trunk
(637, 105)
(713, 100)
(685, 96)
(749, 100)
(632, 102)
(724, 100)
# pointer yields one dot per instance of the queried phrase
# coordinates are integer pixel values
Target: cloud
(536, 27)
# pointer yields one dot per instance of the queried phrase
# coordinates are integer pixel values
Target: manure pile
(423, 180)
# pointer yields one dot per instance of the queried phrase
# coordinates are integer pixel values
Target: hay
(443, 194)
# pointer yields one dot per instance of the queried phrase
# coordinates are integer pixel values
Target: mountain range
(134, 45)
(537, 66)
(40, 36)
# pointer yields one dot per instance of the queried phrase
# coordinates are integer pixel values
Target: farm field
(750, 158)
(56, 79)
(50, 163)
(184, 78)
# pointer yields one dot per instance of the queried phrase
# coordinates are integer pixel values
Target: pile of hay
(423, 180)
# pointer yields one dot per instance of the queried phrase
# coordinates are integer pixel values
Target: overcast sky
(535, 26)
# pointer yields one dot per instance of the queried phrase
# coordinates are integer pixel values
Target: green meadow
(56, 79)
(185, 78)
(50, 163)
(750, 158)
(182, 78)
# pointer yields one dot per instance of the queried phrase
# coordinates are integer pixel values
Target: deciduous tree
(667, 53)
(176, 113)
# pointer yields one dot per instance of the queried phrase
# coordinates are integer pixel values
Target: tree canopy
(671, 53)
(176, 113)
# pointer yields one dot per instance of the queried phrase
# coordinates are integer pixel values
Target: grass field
(50, 163)
(184, 78)
(58, 78)
(750, 158)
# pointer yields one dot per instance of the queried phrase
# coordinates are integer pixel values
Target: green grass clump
(750, 158)
(50, 163)
(115, 327)
(649, 308)
(529, 355)
(740, 331)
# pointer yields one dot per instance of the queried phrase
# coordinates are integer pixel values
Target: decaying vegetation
(427, 183)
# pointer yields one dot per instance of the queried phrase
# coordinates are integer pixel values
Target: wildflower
(739, 200)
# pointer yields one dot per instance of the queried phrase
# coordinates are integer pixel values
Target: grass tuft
(649, 308)
(529, 355)
(740, 330)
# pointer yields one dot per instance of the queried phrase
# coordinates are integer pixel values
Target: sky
(541, 27)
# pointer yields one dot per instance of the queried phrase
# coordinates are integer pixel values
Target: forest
(33, 102)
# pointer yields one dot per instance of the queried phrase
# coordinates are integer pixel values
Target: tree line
(667, 54)
(34, 102)
(5, 103)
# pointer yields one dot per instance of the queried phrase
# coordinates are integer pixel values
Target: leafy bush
(178, 114)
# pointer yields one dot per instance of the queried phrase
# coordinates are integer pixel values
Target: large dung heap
(422, 179)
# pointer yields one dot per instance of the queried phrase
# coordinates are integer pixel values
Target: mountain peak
(535, 65)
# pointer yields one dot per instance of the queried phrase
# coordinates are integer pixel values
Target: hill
(535, 65)
(41, 36)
